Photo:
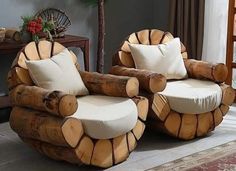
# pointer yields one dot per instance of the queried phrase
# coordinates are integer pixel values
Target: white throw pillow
(164, 59)
(57, 73)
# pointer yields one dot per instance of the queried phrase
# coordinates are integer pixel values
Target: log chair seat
(103, 134)
(105, 117)
(192, 96)
(180, 111)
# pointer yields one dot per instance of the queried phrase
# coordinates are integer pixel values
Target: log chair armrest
(149, 81)
(110, 85)
(204, 70)
(54, 102)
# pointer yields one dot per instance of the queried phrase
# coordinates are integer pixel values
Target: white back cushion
(165, 58)
(57, 73)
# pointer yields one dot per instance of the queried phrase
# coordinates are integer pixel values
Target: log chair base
(186, 126)
(48, 135)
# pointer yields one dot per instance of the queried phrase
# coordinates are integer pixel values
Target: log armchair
(169, 98)
(89, 130)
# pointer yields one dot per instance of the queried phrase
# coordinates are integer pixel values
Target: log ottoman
(100, 129)
(186, 108)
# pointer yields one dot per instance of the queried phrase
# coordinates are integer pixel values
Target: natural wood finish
(173, 123)
(205, 123)
(167, 37)
(156, 36)
(45, 49)
(188, 126)
(53, 151)
(228, 94)
(41, 126)
(31, 51)
(142, 106)
(110, 85)
(159, 107)
(224, 109)
(123, 59)
(13, 35)
(55, 102)
(125, 46)
(84, 150)
(205, 70)
(149, 81)
(132, 143)
(102, 154)
(133, 39)
(17, 76)
(143, 37)
(120, 149)
(20, 61)
(138, 129)
(218, 117)
(57, 48)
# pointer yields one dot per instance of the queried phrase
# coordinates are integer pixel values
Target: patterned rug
(220, 158)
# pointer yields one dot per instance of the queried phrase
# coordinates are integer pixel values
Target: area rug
(220, 158)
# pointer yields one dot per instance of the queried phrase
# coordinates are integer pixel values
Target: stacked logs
(161, 117)
(42, 119)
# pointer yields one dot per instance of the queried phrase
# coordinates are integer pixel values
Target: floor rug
(220, 158)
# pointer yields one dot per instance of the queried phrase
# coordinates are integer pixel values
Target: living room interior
(117, 85)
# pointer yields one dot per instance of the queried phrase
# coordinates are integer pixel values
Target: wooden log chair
(46, 119)
(162, 116)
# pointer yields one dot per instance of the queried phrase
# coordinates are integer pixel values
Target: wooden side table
(7, 48)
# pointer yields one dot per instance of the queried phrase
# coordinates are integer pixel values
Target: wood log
(110, 85)
(138, 129)
(132, 143)
(205, 123)
(143, 37)
(188, 127)
(55, 102)
(133, 39)
(53, 151)
(167, 37)
(102, 154)
(205, 70)
(41, 126)
(122, 58)
(31, 51)
(156, 36)
(84, 150)
(13, 34)
(159, 107)
(142, 106)
(19, 61)
(218, 117)
(125, 46)
(172, 123)
(18, 76)
(120, 149)
(57, 48)
(228, 94)
(149, 81)
(45, 49)
(224, 109)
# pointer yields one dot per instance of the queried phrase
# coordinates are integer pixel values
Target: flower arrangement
(36, 27)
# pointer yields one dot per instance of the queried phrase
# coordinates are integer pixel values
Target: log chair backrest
(33, 51)
(123, 56)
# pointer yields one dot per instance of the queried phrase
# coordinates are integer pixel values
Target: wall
(122, 18)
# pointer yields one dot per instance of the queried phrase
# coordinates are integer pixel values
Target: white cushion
(164, 59)
(57, 73)
(193, 96)
(105, 117)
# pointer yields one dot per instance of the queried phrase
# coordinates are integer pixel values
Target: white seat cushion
(193, 96)
(105, 117)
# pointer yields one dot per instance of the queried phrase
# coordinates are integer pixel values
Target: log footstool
(187, 108)
(100, 129)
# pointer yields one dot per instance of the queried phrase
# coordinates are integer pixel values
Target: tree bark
(101, 35)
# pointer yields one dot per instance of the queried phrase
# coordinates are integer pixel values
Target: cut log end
(157, 83)
(142, 106)
(67, 105)
(220, 72)
(132, 87)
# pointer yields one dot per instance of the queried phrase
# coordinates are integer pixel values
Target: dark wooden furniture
(7, 48)
(231, 38)
(67, 41)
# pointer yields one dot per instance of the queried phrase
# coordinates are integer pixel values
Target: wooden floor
(153, 150)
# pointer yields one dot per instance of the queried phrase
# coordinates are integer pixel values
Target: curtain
(215, 31)
(186, 21)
